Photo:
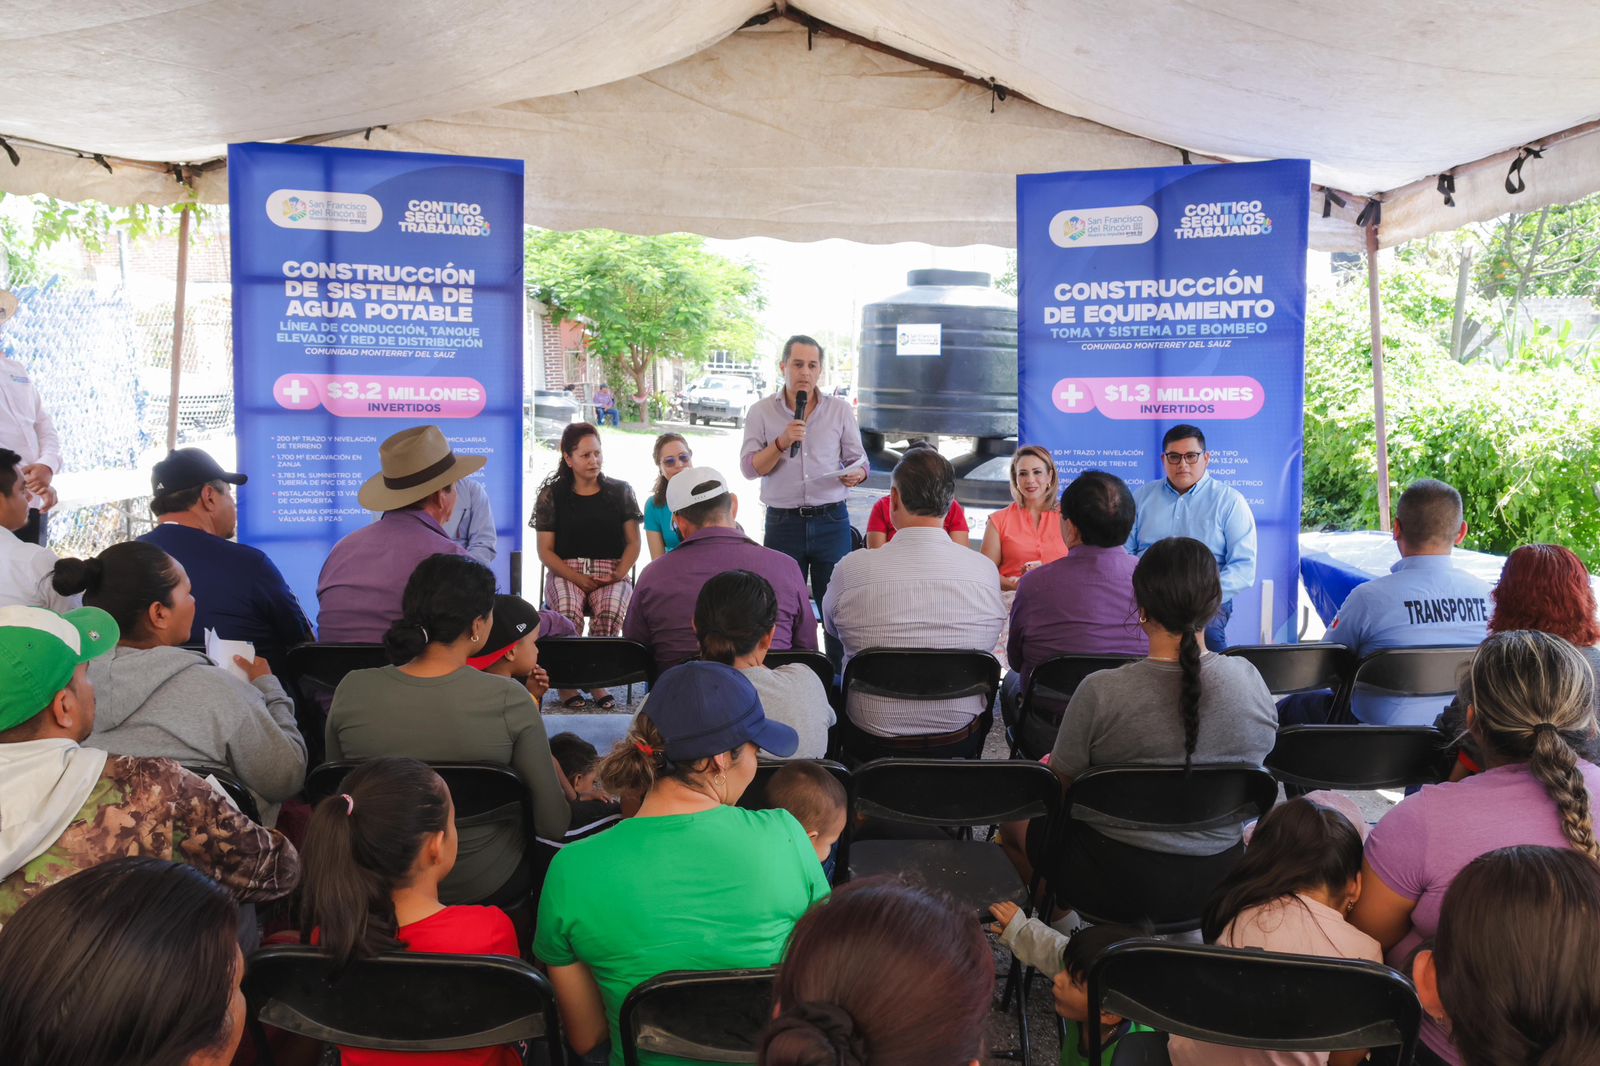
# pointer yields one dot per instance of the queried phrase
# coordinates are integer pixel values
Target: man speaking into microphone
(805, 449)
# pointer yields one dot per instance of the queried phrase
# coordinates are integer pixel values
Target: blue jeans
(600, 414)
(816, 540)
(1217, 631)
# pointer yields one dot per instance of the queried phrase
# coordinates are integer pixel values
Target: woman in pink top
(1027, 534)
(1530, 713)
(1299, 878)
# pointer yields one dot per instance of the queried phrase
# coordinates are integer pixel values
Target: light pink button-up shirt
(833, 440)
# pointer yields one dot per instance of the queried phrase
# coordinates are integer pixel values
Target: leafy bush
(1521, 444)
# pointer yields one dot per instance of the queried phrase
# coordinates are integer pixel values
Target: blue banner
(1149, 298)
(372, 292)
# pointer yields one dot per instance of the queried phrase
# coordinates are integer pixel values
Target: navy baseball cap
(703, 709)
(188, 468)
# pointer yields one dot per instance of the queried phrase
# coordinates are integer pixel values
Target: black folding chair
(1360, 757)
(235, 788)
(401, 1001)
(596, 662)
(755, 799)
(482, 793)
(1250, 999)
(1291, 668)
(1427, 671)
(1153, 798)
(815, 661)
(314, 672)
(921, 675)
(1050, 688)
(715, 1016)
(952, 793)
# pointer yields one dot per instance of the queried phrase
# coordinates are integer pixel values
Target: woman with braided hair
(692, 881)
(1530, 712)
(1181, 705)
(888, 973)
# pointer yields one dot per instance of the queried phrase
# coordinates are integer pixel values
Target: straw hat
(8, 307)
(416, 463)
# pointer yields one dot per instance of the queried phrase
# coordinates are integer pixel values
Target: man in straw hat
(361, 584)
(26, 428)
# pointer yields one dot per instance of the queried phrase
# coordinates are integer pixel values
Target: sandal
(606, 702)
(574, 703)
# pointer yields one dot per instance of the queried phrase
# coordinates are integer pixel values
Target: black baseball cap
(514, 618)
(188, 468)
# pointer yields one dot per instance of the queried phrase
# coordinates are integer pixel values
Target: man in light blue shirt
(1188, 502)
(1423, 600)
(471, 525)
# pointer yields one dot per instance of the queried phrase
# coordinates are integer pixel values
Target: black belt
(807, 512)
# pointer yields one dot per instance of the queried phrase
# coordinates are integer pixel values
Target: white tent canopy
(875, 120)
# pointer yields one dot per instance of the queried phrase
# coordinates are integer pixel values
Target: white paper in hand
(841, 472)
(222, 653)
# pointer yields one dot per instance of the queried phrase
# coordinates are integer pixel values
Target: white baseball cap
(694, 485)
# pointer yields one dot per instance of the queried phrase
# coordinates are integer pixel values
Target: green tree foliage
(32, 226)
(1521, 443)
(1007, 282)
(1553, 251)
(644, 298)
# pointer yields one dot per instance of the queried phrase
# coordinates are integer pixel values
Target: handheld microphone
(800, 413)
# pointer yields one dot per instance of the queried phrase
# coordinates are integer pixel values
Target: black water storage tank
(940, 358)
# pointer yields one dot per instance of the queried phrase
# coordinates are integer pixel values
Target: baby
(817, 801)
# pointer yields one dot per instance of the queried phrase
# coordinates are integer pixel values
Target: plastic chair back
(815, 661)
(707, 1017)
(923, 674)
(1146, 798)
(1255, 999)
(311, 674)
(480, 791)
(1169, 798)
(595, 662)
(1360, 757)
(241, 796)
(1414, 671)
(402, 1002)
(321, 667)
(1290, 668)
(1050, 689)
(953, 792)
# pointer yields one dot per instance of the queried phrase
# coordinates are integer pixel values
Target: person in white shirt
(26, 428)
(25, 568)
(920, 590)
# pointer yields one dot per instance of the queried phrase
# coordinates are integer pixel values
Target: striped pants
(607, 605)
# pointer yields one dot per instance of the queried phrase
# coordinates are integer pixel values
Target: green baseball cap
(40, 649)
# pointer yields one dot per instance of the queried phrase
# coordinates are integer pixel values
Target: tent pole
(1376, 304)
(179, 302)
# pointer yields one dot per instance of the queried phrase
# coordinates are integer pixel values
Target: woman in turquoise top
(690, 882)
(672, 456)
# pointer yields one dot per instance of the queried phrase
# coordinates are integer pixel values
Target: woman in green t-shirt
(691, 882)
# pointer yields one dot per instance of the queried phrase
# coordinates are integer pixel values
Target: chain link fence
(102, 365)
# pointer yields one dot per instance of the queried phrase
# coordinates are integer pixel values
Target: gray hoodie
(177, 704)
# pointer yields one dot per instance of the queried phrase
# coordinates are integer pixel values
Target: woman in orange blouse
(1028, 533)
